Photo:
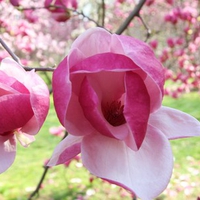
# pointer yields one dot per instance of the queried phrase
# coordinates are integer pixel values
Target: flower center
(113, 113)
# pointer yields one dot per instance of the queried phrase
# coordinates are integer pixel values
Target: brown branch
(64, 8)
(134, 13)
(41, 69)
(103, 13)
(85, 16)
(36, 191)
(10, 52)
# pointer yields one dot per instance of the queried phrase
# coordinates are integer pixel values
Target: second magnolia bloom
(24, 104)
(108, 93)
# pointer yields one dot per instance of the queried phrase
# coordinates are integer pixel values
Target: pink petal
(174, 123)
(61, 90)
(143, 56)
(5, 89)
(19, 80)
(66, 149)
(39, 98)
(76, 123)
(8, 152)
(145, 172)
(11, 84)
(105, 61)
(91, 107)
(93, 41)
(13, 69)
(75, 57)
(16, 111)
(15, 2)
(47, 3)
(136, 106)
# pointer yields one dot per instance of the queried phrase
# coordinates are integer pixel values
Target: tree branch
(44, 69)
(36, 191)
(64, 8)
(146, 27)
(10, 52)
(103, 13)
(133, 14)
(41, 69)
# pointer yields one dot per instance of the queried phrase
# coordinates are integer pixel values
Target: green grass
(185, 182)
(70, 183)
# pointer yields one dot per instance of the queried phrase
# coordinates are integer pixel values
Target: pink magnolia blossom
(24, 103)
(153, 44)
(60, 3)
(15, 2)
(60, 12)
(108, 93)
(170, 42)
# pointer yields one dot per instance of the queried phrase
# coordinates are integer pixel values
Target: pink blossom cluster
(181, 48)
(33, 34)
(174, 38)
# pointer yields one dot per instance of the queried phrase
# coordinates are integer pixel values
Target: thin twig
(10, 52)
(36, 191)
(64, 8)
(85, 16)
(128, 20)
(146, 27)
(43, 69)
(103, 13)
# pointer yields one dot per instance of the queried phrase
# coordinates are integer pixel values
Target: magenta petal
(39, 99)
(13, 69)
(11, 84)
(136, 106)
(174, 123)
(61, 90)
(7, 153)
(145, 172)
(66, 149)
(76, 123)
(97, 39)
(105, 61)
(16, 111)
(143, 56)
(91, 106)
(37, 96)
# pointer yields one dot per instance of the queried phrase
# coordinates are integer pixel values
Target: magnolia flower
(107, 94)
(24, 103)
(15, 2)
(59, 8)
